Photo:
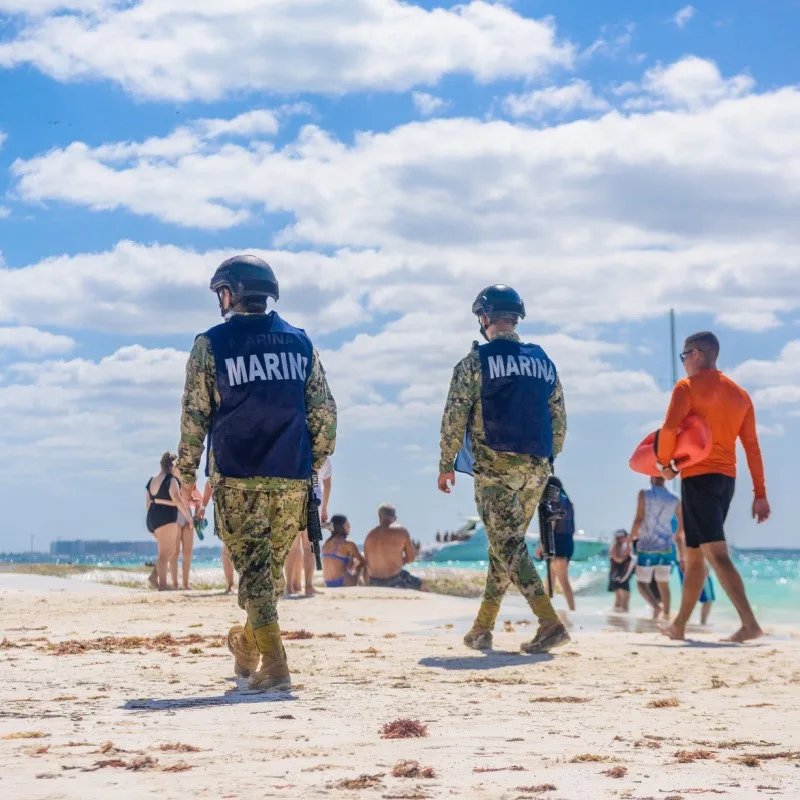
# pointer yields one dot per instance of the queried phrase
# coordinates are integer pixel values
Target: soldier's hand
(446, 480)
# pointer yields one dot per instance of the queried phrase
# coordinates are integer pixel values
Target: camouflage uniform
(256, 518)
(508, 487)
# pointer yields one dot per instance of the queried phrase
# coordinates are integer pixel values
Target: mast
(674, 366)
(673, 345)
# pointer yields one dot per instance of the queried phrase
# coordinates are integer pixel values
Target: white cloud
(776, 382)
(171, 49)
(682, 17)
(33, 341)
(692, 83)
(251, 123)
(5, 212)
(102, 415)
(770, 430)
(164, 289)
(427, 104)
(34, 8)
(575, 96)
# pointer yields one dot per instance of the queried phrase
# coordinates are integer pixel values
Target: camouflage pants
(258, 528)
(507, 505)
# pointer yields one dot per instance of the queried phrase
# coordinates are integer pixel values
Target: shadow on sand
(491, 660)
(234, 697)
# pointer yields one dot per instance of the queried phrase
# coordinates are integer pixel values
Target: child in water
(619, 579)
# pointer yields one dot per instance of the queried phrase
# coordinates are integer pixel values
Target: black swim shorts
(705, 500)
(403, 580)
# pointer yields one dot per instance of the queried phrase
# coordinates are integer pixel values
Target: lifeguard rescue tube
(693, 445)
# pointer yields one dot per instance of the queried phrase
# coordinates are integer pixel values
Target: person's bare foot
(675, 631)
(312, 592)
(228, 589)
(745, 634)
(656, 612)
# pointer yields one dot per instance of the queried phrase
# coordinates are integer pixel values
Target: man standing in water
(504, 421)
(652, 533)
(255, 383)
(707, 487)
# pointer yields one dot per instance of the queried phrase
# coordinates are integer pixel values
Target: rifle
(550, 511)
(313, 524)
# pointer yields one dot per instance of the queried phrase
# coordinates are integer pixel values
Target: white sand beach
(89, 713)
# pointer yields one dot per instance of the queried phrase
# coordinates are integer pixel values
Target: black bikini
(159, 514)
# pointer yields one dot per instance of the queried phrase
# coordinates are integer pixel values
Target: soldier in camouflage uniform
(255, 386)
(504, 421)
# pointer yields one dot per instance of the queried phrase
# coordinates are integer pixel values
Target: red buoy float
(693, 445)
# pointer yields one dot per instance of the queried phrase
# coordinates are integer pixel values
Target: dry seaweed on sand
(512, 768)
(784, 755)
(616, 772)
(178, 748)
(690, 756)
(361, 782)
(412, 769)
(563, 699)
(586, 758)
(26, 735)
(120, 644)
(301, 634)
(181, 766)
(404, 729)
(540, 789)
(669, 702)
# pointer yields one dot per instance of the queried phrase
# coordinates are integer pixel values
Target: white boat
(474, 545)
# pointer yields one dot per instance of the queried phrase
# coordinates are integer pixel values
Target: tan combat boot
(549, 636)
(478, 639)
(242, 644)
(273, 674)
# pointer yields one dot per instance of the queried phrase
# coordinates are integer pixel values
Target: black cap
(498, 299)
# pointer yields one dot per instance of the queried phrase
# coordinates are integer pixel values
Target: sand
(615, 714)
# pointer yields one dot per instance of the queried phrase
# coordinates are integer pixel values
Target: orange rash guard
(728, 411)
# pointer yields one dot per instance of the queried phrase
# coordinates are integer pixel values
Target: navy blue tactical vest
(517, 381)
(259, 430)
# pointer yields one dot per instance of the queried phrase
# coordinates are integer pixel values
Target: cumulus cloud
(29, 340)
(693, 83)
(776, 382)
(682, 17)
(104, 414)
(560, 100)
(427, 104)
(173, 50)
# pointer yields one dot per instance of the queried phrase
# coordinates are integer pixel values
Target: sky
(609, 160)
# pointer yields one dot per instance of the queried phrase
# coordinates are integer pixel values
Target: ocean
(772, 578)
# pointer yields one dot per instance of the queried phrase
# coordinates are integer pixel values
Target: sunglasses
(686, 353)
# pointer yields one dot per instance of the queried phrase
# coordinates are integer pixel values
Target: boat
(472, 544)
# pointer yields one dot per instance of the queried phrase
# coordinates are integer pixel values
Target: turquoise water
(772, 578)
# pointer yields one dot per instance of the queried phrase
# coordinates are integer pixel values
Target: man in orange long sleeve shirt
(707, 488)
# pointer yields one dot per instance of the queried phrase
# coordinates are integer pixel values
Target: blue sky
(608, 160)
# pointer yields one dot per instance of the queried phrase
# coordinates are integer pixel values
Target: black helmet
(245, 276)
(498, 299)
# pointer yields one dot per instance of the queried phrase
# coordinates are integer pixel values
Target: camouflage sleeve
(320, 413)
(196, 408)
(558, 417)
(460, 401)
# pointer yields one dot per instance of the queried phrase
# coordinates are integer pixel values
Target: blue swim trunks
(649, 559)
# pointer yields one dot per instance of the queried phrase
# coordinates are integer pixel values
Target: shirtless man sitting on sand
(387, 549)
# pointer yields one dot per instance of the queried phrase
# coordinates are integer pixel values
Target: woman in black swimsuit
(164, 500)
